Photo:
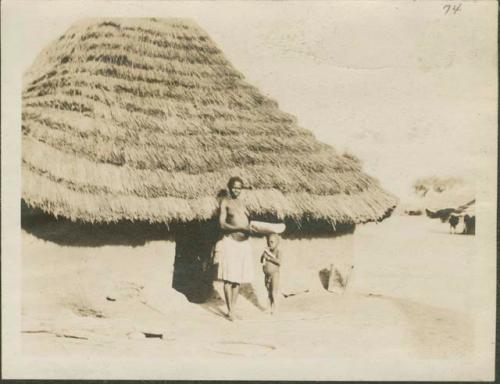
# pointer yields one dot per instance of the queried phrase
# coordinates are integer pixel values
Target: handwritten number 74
(452, 8)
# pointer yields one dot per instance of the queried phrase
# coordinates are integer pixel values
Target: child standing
(271, 260)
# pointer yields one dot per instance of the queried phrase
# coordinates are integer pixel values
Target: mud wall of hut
(179, 260)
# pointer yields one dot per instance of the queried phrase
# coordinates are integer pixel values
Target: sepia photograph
(249, 190)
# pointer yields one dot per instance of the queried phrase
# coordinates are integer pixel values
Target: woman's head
(235, 185)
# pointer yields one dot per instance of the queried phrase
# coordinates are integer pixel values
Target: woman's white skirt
(235, 260)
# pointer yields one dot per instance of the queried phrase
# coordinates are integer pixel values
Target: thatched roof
(135, 119)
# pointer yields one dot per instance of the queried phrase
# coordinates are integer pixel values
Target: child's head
(273, 240)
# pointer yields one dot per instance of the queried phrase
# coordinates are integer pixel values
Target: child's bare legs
(268, 287)
(273, 286)
(268, 279)
(276, 285)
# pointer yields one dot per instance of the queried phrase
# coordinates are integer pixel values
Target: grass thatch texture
(134, 119)
(84, 175)
(58, 200)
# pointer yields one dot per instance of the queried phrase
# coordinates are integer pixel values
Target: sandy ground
(409, 295)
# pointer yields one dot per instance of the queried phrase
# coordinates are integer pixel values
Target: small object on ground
(285, 295)
(37, 331)
(153, 335)
(56, 334)
(336, 282)
(265, 228)
(71, 336)
(416, 212)
(110, 298)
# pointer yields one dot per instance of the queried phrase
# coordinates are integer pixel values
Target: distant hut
(134, 121)
(438, 193)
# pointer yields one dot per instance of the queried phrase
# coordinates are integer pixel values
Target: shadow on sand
(216, 305)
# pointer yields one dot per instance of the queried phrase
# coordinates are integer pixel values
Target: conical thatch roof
(146, 120)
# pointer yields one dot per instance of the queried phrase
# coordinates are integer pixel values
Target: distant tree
(438, 184)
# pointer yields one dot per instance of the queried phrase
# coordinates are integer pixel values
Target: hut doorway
(194, 271)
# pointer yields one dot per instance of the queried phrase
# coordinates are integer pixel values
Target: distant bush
(436, 184)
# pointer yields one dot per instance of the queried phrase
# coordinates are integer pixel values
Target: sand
(409, 296)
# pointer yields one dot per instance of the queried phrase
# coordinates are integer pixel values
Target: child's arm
(263, 257)
(266, 255)
(275, 259)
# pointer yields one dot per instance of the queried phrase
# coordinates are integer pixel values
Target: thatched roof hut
(145, 120)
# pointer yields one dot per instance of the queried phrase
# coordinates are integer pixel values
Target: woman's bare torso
(237, 215)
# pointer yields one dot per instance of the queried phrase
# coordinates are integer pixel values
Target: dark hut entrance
(193, 268)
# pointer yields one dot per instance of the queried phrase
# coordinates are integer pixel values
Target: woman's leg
(228, 294)
(267, 282)
(235, 293)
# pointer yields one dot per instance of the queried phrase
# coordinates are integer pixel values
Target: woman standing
(233, 251)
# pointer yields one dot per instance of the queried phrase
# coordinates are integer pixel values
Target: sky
(404, 85)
